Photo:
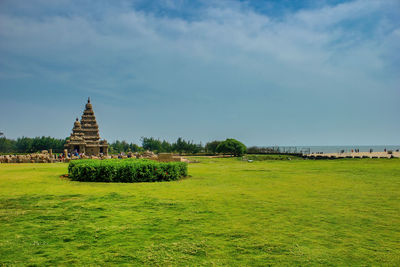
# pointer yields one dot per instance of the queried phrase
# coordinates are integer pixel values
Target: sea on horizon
(336, 149)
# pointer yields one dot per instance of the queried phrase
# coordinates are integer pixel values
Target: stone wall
(30, 158)
(168, 157)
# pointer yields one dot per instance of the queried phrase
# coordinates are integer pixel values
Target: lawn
(228, 212)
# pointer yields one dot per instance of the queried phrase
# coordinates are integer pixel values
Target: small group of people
(356, 150)
(122, 155)
(76, 154)
(62, 155)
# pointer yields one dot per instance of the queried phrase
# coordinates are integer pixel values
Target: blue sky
(264, 72)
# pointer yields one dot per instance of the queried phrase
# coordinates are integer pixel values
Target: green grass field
(229, 212)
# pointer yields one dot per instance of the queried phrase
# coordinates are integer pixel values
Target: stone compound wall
(168, 157)
(43, 157)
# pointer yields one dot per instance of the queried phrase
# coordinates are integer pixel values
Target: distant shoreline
(336, 149)
(358, 155)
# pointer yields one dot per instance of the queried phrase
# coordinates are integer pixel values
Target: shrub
(231, 146)
(125, 170)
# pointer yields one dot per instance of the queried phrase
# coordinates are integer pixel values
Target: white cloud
(331, 15)
(225, 36)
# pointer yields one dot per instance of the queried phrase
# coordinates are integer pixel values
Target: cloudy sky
(265, 72)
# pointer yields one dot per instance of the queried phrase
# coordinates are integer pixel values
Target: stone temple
(85, 137)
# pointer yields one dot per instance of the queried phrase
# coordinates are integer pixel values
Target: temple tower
(85, 137)
(76, 141)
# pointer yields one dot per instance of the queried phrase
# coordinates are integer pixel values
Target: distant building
(85, 136)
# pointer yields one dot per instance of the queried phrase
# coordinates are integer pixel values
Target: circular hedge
(125, 170)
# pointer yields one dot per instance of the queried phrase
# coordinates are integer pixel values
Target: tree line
(156, 145)
(181, 146)
(31, 145)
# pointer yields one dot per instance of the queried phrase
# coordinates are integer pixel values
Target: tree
(231, 146)
(7, 145)
(123, 146)
(151, 144)
(166, 147)
(211, 147)
(180, 145)
(24, 145)
(135, 148)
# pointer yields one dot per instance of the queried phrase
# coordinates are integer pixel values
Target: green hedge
(125, 170)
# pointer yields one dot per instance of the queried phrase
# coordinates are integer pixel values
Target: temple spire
(85, 137)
